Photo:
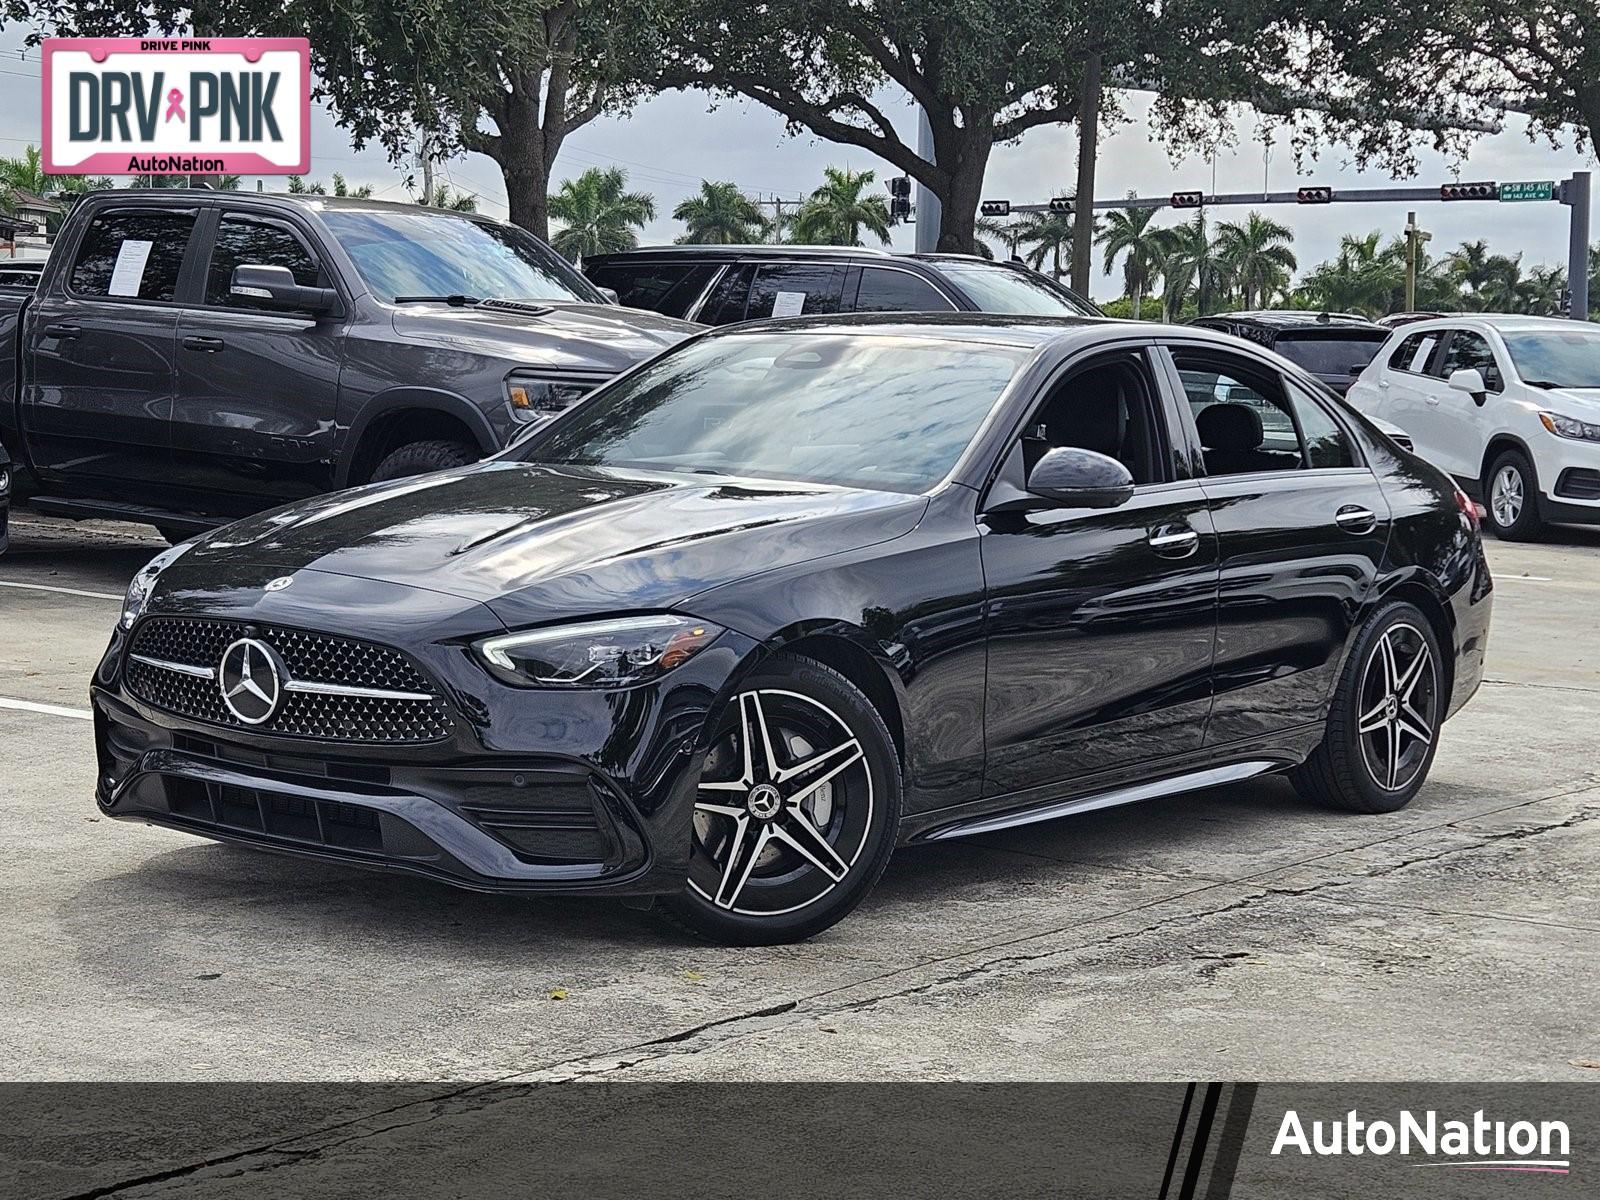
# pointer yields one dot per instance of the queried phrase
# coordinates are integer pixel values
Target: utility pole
(1575, 193)
(927, 204)
(1088, 148)
(1411, 262)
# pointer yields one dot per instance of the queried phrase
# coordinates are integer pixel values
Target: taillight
(1468, 508)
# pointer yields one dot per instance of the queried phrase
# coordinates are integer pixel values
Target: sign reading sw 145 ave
(177, 106)
(1543, 189)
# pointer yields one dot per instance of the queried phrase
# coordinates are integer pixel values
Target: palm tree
(1188, 259)
(1541, 291)
(25, 173)
(1005, 233)
(837, 212)
(1257, 257)
(720, 215)
(1361, 278)
(1487, 281)
(443, 197)
(1128, 233)
(1050, 235)
(298, 186)
(598, 213)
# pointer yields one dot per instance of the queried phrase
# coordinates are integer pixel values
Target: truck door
(253, 424)
(98, 356)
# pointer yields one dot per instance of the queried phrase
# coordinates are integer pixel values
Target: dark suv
(1335, 347)
(718, 285)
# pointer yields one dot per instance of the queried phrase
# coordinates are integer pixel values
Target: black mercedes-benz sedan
(798, 592)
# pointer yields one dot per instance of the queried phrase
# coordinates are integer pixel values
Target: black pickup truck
(191, 356)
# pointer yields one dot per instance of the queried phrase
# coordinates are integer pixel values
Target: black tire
(1512, 471)
(1349, 770)
(419, 458)
(782, 893)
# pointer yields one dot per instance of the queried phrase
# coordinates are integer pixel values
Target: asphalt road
(1236, 933)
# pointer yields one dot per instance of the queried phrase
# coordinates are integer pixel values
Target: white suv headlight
(1570, 427)
(145, 582)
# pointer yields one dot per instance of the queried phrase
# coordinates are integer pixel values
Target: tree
(837, 212)
(510, 79)
(443, 197)
(1050, 236)
(984, 71)
(298, 186)
(1361, 278)
(1541, 291)
(990, 231)
(1256, 257)
(720, 215)
(1188, 260)
(599, 216)
(1486, 282)
(1128, 234)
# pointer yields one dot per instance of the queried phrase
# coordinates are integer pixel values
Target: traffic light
(1061, 204)
(1314, 195)
(899, 197)
(1469, 191)
(995, 208)
(1188, 199)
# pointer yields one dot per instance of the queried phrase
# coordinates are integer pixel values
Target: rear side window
(242, 241)
(136, 255)
(726, 302)
(1413, 354)
(795, 289)
(667, 287)
(1471, 350)
(897, 291)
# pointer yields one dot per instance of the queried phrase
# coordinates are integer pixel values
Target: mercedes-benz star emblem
(281, 582)
(251, 680)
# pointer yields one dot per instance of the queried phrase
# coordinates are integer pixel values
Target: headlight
(597, 654)
(533, 398)
(145, 582)
(1570, 427)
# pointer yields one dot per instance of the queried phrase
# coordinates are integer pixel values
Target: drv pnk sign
(177, 106)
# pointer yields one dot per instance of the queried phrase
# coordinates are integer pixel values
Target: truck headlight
(596, 654)
(1570, 427)
(539, 397)
(145, 582)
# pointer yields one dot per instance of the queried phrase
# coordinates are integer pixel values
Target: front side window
(897, 291)
(136, 255)
(1471, 351)
(244, 241)
(1249, 421)
(424, 255)
(795, 289)
(663, 287)
(876, 411)
(1108, 406)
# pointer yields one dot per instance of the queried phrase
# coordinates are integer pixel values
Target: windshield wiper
(454, 301)
(1546, 384)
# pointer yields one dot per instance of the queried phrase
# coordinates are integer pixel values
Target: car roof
(311, 200)
(1296, 319)
(736, 250)
(1501, 322)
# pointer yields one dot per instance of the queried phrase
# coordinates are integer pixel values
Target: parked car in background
(20, 273)
(1508, 405)
(5, 500)
(718, 285)
(797, 593)
(189, 357)
(1335, 347)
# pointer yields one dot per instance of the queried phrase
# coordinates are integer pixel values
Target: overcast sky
(671, 142)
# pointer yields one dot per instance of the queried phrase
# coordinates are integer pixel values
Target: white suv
(1508, 405)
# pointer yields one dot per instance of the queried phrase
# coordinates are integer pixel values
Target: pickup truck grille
(331, 688)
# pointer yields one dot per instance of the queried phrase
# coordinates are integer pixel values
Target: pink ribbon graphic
(175, 105)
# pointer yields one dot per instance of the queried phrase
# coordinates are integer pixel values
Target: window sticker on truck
(128, 274)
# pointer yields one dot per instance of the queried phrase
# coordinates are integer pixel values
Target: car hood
(1582, 403)
(537, 543)
(583, 337)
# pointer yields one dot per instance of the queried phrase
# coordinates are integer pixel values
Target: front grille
(330, 823)
(161, 645)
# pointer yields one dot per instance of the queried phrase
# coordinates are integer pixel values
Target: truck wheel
(419, 458)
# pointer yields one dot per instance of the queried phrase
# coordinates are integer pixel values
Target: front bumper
(534, 791)
(1569, 481)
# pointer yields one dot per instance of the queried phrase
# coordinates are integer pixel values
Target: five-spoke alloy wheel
(796, 808)
(1512, 511)
(1383, 726)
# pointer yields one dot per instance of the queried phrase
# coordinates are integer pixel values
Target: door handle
(1433, 400)
(1352, 518)
(1174, 543)
(62, 331)
(208, 344)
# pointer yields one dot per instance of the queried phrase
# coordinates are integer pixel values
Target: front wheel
(1513, 498)
(421, 458)
(796, 809)
(1383, 725)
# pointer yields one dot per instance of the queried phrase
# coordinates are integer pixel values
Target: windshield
(1323, 355)
(875, 411)
(421, 253)
(997, 289)
(1569, 359)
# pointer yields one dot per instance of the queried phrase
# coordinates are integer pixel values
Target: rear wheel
(1383, 726)
(1512, 492)
(796, 811)
(419, 458)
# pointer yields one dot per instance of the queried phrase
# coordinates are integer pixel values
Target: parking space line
(64, 591)
(49, 710)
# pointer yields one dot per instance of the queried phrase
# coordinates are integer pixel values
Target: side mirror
(1075, 478)
(1470, 381)
(274, 287)
(611, 295)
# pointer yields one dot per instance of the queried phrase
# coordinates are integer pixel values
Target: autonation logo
(1476, 1145)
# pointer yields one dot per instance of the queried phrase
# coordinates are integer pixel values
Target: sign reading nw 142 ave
(1543, 189)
